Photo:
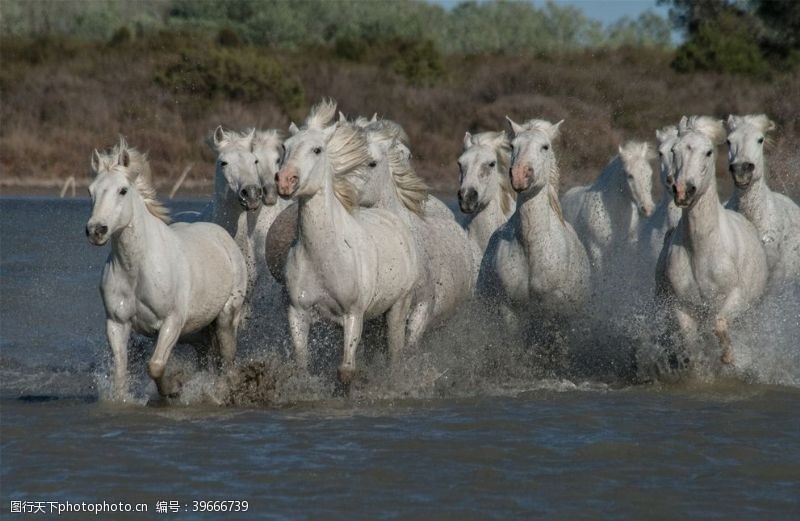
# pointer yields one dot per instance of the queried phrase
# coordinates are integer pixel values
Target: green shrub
(120, 37)
(419, 61)
(722, 45)
(243, 74)
(227, 37)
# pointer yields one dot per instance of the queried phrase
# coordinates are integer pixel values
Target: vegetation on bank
(170, 74)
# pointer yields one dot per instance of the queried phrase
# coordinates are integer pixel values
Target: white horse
(170, 281)
(485, 193)
(535, 263)
(446, 257)
(607, 214)
(246, 204)
(667, 214)
(347, 263)
(713, 266)
(775, 216)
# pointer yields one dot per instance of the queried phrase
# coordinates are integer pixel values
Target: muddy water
(468, 434)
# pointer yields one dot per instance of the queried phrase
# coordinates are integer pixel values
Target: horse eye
(223, 163)
(278, 161)
(545, 147)
(373, 164)
(492, 164)
(761, 140)
(256, 161)
(708, 154)
(660, 154)
(317, 150)
(123, 191)
(728, 142)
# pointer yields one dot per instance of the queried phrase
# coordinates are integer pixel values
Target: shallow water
(462, 441)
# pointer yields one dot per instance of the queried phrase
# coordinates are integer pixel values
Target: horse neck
(701, 222)
(754, 201)
(537, 217)
(130, 246)
(321, 221)
(483, 224)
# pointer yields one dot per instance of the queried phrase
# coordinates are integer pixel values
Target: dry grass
(59, 105)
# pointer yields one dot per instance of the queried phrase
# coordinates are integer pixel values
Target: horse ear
(554, 130)
(467, 140)
(219, 136)
(293, 129)
(770, 125)
(374, 118)
(124, 158)
(249, 137)
(95, 161)
(620, 150)
(732, 122)
(342, 117)
(515, 128)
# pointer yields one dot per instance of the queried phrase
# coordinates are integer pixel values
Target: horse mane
(632, 150)
(759, 121)
(541, 125)
(499, 142)
(710, 127)
(232, 139)
(665, 133)
(348, 156)
(411, 189)
(139, 174)
(321, 115)
(552, 190)
(267, 138)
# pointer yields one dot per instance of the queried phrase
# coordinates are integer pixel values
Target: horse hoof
(346, 375)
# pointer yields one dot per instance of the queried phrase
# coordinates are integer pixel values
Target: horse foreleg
(732, 306)
(721, 332)
(118, 334)
(299, 325)
(226, 336)
(167, 338)
(352, 336)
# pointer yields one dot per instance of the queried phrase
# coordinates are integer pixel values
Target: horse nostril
(691, 189)
(731, 168)
(102, 229)
(86, 230)
(243, 193)
(675, 189)
(748, 167)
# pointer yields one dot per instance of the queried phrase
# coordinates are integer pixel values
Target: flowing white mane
(710, 127)
(759, 121)
(321, 114)
(137, 171)
(231, 140)
(411, 189)
(636, 151)
(499, 142)
(348, 156)
(267, 138)
(665, 133)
